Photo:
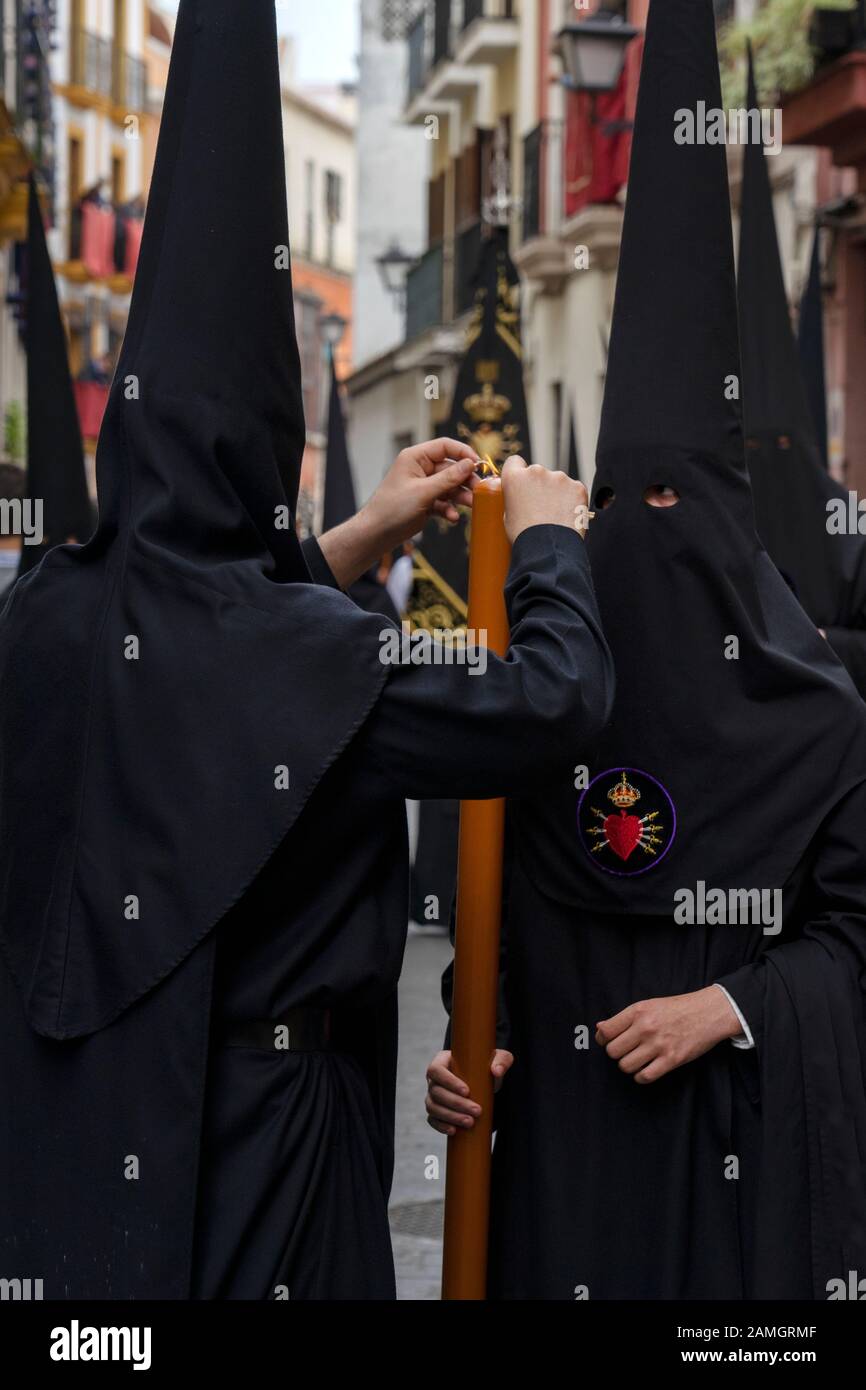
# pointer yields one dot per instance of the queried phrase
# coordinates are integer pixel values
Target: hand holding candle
(536, 496)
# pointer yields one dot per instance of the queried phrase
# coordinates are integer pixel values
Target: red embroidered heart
(623, 833)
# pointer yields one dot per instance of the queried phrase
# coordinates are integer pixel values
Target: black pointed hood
(810, 342)
(339, 500)
(212, 315)
(163, 721)
(774, 397)
(573, 456)
(673, 342)
(55, 455)
(723, 684)
(791, 487)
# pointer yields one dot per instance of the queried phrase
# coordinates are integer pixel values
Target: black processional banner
(488, 411)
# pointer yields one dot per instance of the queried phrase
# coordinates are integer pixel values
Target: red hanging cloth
(91, 398)
(97, 240)
(596, 151)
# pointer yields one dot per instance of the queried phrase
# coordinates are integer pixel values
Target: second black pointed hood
(790, 485)
(573, 468)
(810, 343)
(339, 499)
(56, 474)
(773, 390)
(723, 684)
(175, 689)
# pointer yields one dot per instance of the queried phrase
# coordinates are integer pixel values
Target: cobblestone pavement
(419, 1173)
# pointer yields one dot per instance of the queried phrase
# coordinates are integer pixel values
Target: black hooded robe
(184, 796)
(341, 947)
(624, 1190)
(739, 1175)
(295, 1147)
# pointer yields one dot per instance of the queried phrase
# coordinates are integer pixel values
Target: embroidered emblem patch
(626, 821)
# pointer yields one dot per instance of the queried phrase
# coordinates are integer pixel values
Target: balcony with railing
(467, 250)
(464, 33)
(424, 288)
(487, 9)
(534, 151)
(572, 174)
(103, 74)
(489, 32)
(91, 63)
(418, 42)
(129, 81)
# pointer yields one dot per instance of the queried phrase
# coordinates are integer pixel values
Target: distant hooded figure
(685, 1116)
(204, 759)
(56, 476)
(573, 456)
(339, 503)
(823, 559)
(810, 344)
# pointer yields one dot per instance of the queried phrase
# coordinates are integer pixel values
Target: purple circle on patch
(626, 816)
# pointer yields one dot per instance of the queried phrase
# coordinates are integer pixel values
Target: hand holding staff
(526, 497)
(476, 965)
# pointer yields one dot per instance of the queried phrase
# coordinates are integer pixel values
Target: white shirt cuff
(744, 1039)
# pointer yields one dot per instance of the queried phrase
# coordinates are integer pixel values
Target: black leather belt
(299, 1030)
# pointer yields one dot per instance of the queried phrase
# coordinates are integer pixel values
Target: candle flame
(486, 468)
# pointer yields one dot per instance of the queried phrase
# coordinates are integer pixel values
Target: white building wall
(393, 407)
(392, 170)
(315, 137)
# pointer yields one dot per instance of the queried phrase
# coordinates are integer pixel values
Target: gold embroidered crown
(486, 405)
(623, 794)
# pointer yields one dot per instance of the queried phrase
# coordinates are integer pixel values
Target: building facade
(321, 185)
(26, 139)
(484, 76)
(105, 64)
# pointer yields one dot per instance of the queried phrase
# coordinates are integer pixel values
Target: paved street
(419, 1175)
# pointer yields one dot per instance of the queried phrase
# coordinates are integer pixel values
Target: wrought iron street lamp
(332, 327)
(593, 52)
(394, 266)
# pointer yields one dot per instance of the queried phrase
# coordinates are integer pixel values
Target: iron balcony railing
(435, 30)
(97, 65)
(91, 62)
(543, 174)
(424, 293)
(532, 191)
(487, 9)
(442, 32)
(467, 250)
(418, 63)
(129, 86)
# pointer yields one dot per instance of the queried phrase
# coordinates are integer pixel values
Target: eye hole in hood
(661, 495)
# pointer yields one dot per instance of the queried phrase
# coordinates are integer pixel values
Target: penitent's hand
(536, 496)
(654, 1036)
(449, 1104)
(430, 479)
